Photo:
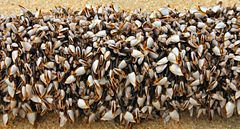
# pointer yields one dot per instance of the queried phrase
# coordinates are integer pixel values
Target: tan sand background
(10, 7)
(50, 121)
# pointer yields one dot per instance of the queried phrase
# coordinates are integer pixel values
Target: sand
(10, 7)
(50, 121)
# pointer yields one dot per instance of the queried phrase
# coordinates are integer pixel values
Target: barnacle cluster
(103, 63)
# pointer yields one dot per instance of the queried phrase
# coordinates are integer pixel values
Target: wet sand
(50, 121)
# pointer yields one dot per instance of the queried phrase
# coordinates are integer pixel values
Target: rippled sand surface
(50, 121)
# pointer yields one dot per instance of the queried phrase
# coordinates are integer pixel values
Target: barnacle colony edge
(103, 63)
